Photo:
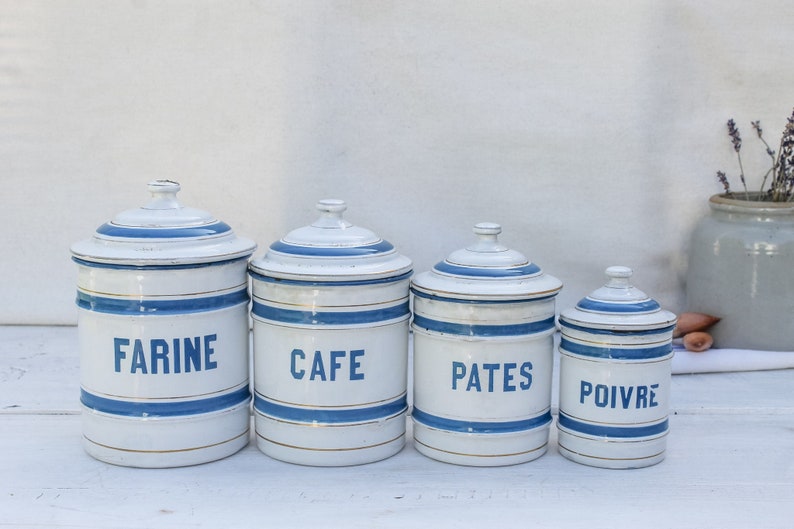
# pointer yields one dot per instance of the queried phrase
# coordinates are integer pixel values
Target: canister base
(326, 445)
(611, 453)
(166, 442)
(480, 450)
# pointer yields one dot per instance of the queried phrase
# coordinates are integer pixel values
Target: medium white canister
(615, 356)
(163, 302)
(330, 310)
(483, 355)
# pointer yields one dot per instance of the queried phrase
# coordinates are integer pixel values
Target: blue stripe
(267, 279)
(612, 332)
(186, 266)
(616, 353)
(330, 416)
(160, 307)
(425, 295)
(332, 251)
(164, 409)
(441, 423)
(306, 317)
(619, 308)
(138, 232)
(462, 329)
(623, 432)
(471, 271)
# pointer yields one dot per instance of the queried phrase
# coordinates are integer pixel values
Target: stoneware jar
(163, 301)
(740, 268)
(615, 356)
(330, 310)
(483, 355)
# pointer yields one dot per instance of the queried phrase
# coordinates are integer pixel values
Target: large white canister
(330, 310)
(162, 292)
(615, 357)
(483, 355)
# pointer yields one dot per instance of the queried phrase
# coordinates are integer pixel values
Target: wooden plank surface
(730, 463)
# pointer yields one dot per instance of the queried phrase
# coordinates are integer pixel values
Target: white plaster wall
(591, 130)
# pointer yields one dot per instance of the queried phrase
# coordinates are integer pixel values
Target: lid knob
(487, 235)
(619, 276)
(331, 217)
(163, 195)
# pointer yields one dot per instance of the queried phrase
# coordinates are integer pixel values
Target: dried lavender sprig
(783, 181)
(724, 181)
(736, 139)
(757, 126)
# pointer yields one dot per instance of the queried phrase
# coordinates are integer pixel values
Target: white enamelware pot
(483, 355)
(615, 357)
(162, 293)
(331, 312)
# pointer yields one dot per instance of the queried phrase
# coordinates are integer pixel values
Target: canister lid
(618, 304)
(163, 232)
(331, 249)
(486, 270)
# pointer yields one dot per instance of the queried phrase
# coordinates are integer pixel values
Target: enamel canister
(162, 293)
(331, 312)
(615, 360)
(483, 355)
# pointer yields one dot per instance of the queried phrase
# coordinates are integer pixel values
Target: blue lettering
(601, 395)
(177, 356)
(642, 397)
(159, 351)
(138, 359)
(507, 386)
(619, 396)
(490, 368)
(585, 390)
(335, 363)
(625, 396)
(458, 372)
(193, 354)
(474, 379)
(355, 354)
(318, 369)
(296, 374)
(526, 373)
(119, 355)
(652, 402)
(209, 351)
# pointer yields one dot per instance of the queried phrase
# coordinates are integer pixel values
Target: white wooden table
(730, 463)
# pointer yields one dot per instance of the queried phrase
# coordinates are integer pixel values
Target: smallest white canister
(483, 354)
(615, 356)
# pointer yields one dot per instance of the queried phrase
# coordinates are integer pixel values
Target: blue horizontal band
(622, 432)
(462, 329)
(186, 266)
(307, 317)
(612, 332)
(383, 280)
(619, 308)
(425, 295)
(128, 408)
(330, 416)
(481, 272)
(183, 232)
(616, 353)
(495, 427)
(160, 307)
(332, 251)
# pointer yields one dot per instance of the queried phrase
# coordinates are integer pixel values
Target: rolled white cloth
(725, 360)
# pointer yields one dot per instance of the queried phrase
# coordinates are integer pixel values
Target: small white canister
(615, 357)
(331, 312)
(163, 302)
(483, 355)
